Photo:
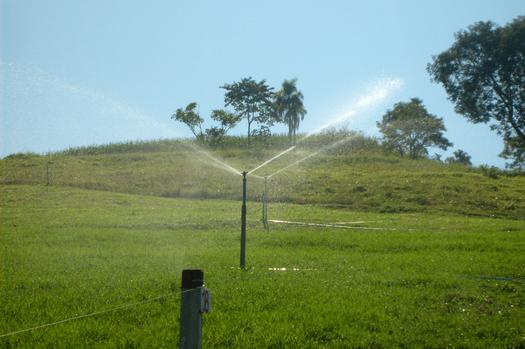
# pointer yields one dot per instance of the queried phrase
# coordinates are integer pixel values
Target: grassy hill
(436, 259)
(357, 175)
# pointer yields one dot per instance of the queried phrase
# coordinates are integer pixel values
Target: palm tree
(289, 107)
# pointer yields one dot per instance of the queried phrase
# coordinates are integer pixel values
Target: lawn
(429, 279)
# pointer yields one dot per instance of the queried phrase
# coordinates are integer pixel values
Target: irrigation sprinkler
(243, 222)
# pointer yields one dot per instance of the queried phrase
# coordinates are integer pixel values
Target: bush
(27, 155)
(490, 171)
(261, 137)
(343, 140)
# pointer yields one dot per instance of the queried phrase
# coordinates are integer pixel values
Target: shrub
(27, 155)
(490, 171)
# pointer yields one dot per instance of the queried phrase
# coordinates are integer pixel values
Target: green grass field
(436, 278)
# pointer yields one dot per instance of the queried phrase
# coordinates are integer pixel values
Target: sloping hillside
(358, 176)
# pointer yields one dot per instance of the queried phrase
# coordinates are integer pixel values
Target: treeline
(253, 101)
(483, 74)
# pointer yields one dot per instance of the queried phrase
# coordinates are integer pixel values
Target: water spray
(243, 222)
(272, 159)
(382, 89)
(216, 161)
(323, 149)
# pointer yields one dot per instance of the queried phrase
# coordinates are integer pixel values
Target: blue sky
(84, 72)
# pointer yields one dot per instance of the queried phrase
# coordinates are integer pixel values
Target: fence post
(195, 300)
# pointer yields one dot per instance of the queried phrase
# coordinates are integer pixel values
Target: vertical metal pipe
(265, 204)
(190, 309)
(48, 180)
(243, 222)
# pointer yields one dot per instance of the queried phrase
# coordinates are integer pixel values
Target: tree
(252, 100)
(484, 76)
(289, 108)
(226, 119)
(410, 129)
(191, 118)
(460, 157)
(215, 135)
(514, 150)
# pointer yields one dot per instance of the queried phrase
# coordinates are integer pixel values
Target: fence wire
(120, 307)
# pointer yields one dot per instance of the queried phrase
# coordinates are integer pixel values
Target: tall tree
(410, 129)
(190, 116)
(484, 76)
(252, 100)
(289, 107)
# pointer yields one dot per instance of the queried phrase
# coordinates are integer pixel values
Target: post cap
(192, 278)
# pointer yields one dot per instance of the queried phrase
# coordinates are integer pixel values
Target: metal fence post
(190, 316)
(191, 309)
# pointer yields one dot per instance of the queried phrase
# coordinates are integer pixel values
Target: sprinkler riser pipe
(243, 223)
(265, 204)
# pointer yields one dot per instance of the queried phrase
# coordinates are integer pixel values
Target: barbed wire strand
(124, 306)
